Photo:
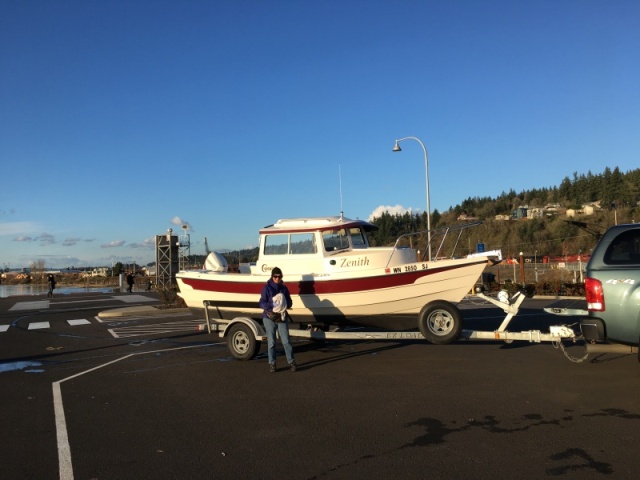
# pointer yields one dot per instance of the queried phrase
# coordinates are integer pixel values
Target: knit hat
(276, 271)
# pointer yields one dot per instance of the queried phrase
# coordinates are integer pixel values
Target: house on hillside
(551, 209)
(464, 217)
(535, 213)
(519, 213)
(591, 208)
(586, 209)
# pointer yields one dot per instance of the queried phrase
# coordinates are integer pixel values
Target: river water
(14, 290)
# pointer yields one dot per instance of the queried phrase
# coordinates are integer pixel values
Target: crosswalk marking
(38, 325)
(42, 325)
(35, 305)
(80, 321)
(169, 327)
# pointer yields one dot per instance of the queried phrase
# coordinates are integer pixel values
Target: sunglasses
(277, 276)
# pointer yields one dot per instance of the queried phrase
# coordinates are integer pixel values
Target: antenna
(340, 182)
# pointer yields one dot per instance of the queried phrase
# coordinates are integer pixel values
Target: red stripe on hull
(310, 287)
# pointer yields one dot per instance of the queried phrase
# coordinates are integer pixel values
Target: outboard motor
(215, 262)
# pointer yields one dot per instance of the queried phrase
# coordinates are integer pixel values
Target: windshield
(335, 240)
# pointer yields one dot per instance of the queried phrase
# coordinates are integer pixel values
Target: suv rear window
(624, 249)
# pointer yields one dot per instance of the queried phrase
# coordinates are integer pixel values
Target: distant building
(149, 271)
(591, 208)
(587, 209)
(520, 212)
(551, 209)
(535, 213)
(97, 272)
(464, 217)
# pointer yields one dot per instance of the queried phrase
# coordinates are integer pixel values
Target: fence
(538, 278)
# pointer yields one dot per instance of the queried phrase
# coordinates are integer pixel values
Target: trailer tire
(242, 343)
(440, 322)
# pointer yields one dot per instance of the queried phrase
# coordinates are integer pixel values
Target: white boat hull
(382, 297)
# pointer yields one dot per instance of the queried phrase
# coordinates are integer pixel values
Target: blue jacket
(269, 291)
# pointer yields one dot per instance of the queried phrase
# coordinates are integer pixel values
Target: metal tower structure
(166, 260)
(185, 248)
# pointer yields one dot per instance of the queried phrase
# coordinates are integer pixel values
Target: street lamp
(397, 148)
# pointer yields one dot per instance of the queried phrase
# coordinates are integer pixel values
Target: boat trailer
(244, 335)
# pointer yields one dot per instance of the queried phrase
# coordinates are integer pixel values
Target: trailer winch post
(511, 308)
(206, 304)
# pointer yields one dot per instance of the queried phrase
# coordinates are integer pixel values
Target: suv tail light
(594, 294)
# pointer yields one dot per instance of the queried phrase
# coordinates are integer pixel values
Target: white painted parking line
(38, 325)
(134, 298)
(4, 328)
(65, 466)
(80, 321)
(30, 305)
(97, 300)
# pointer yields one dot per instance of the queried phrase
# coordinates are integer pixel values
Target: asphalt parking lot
(79, 402)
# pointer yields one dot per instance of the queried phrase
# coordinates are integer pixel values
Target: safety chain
(566, 354)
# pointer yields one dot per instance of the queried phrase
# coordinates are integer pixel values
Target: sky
(122, 119)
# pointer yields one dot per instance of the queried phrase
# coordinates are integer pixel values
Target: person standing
(274, 301)
(51, 280)
(130, 282)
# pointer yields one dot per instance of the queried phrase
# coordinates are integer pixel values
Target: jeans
(283, 330)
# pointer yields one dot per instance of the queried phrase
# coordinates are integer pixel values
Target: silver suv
(612, 288)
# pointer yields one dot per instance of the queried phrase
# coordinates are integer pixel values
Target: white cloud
(115, 243)
(17, 228)
(23, 239)
(397, 209)
(148, 243)
(182, 223)
(68, 242)
(46, 239)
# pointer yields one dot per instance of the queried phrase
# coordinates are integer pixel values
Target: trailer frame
(245, 335)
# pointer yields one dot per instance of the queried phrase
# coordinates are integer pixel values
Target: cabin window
(276, 244)
(335, 239)
(358, 238)
(294, 244)
(302, 243)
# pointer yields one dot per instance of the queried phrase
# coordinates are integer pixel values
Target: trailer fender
(256, 327)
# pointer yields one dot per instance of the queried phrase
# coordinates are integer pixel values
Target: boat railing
(444, 241)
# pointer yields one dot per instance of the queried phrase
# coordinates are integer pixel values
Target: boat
(336, 277)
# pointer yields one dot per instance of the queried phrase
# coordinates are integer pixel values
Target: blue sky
(121, 119)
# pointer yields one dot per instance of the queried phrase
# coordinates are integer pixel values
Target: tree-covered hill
(611, 197)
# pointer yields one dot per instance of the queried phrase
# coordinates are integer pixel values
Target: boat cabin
(322, 245)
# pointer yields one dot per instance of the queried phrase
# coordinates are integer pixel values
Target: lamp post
(397, 148)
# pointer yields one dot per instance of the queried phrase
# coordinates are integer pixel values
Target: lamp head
(397, 148)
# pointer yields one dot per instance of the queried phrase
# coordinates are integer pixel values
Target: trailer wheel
(242, 343)
(440, 322)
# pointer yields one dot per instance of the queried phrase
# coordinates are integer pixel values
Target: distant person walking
(274, 300)
(51, 280)
(130, 282)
